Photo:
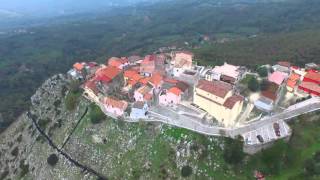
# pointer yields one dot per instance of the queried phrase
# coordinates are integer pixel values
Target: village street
(165, 115)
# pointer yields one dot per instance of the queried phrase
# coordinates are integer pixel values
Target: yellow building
(218, 99)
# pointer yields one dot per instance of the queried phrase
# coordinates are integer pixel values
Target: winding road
(160, 114)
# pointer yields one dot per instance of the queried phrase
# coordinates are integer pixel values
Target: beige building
(90, 91)
(218, 99)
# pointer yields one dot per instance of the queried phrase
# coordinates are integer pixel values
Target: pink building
(152, 64)
(144, 93)
(114, 106)
(226, 70)
(277, 77)
(171, 96)
(183, 59)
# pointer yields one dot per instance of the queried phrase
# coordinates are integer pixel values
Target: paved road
(169, 116)
(163, 114)
(291, 112)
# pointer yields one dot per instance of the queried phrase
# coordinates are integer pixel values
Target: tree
(233, 151)
(264, 85)
(186, 171)
(52, 159)
(253, 84)
(96, 115)
(262, 71)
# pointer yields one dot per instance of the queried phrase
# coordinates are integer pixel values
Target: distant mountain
(9, 14)
(62, 7)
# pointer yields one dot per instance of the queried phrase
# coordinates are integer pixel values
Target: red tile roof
(115, 103)
(231, 101)
(104, 79)
(78, 66)
(117, 62)
(217, 88)
(313, 76)
(294, 77)
(295, 67)
(91, 84)
(170, 80)
(175, 91)
(144, 80)
(292, 81)
(109, 71)
(156, 79)
(129, 73)
(269, 95)
(310, 86)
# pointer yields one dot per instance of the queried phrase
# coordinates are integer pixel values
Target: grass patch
(72, 100)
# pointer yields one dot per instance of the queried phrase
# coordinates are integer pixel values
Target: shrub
(43, 123)
(96, 115)
(262, 71)
(233, 151)
(264, 85)
(71, 101)
(74, 86)
(186, 171)
(15, 151)
(274, 157)
(253, 84)
(312, 166)
(52, 159)
(24, 168)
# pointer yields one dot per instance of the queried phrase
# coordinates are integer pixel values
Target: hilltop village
(172, 88)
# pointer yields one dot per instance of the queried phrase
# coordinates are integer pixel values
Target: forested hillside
(285, 29)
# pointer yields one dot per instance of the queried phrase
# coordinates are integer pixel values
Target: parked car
(260, 138)
(276, 128)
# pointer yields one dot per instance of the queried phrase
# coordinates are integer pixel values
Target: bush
(15, 151)
(233, 151)
(96, 115)
(43, 123)
(71, 101)
(262, 71)
(74, 86)
(264, 85)
(24, 168)
(186, 171)
(274, 157)
(253, 84)
(312, 166)
(52, 159)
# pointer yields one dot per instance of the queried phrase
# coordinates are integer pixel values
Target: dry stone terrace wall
(29, 149)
